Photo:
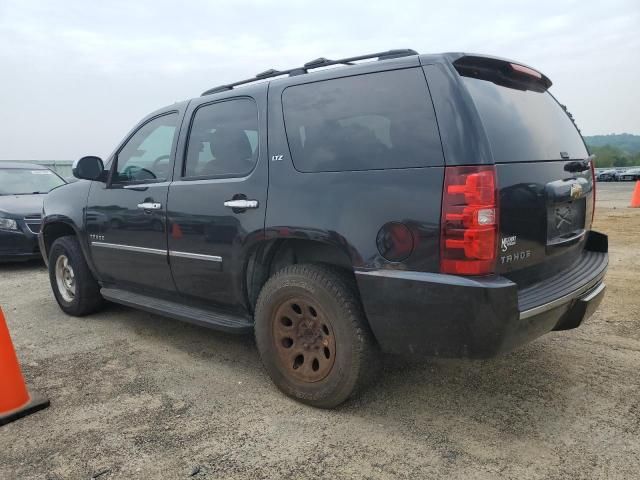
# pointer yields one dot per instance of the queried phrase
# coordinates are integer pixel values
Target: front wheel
(312, 335)
(73, 285)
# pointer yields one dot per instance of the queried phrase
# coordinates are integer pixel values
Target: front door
(217, 201)
(126, 217)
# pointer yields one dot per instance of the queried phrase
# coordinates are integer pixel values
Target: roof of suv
(323, 68)
(385, 60)
(321, 62)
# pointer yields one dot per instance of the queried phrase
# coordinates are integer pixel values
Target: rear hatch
(544, 174)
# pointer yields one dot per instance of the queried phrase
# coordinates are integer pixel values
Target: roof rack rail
(317, 63)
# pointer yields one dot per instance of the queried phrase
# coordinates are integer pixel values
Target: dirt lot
(138, 396)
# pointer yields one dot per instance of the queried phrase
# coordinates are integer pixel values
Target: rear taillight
(469, 221)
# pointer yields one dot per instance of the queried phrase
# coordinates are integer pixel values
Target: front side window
(25, 181)
(146, 157)
(223, 139)
(364, 122)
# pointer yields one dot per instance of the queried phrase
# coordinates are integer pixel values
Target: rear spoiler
(502, 72)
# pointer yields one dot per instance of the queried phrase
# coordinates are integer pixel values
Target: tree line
(610, 156)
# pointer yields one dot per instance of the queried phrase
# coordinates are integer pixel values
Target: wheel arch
(270, 256)
(52, 230)
(57, 227)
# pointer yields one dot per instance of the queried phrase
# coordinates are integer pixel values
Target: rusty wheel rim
(304, 340)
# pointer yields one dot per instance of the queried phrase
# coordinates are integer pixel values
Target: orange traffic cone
(15, 401)
(635, 198)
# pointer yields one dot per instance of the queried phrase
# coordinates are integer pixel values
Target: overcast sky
(76, 75)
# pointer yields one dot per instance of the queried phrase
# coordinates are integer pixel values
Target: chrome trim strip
(594, 293)
(156, 251)
(129, 248)
(561, 241)
(145, 185)
(564, 299)
(37, 225)
(195, 256)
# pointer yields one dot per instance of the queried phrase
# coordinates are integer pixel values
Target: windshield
(23, 181)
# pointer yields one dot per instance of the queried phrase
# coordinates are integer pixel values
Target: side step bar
(205, 318)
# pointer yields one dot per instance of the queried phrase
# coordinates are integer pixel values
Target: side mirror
(88, 168)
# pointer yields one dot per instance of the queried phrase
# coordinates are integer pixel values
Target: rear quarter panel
(348, 208)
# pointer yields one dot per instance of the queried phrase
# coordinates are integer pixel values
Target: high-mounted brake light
(525, 70)
(469, 221)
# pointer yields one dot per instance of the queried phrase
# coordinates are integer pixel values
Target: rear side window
(223, 139)
(373, 121)
(524, 125)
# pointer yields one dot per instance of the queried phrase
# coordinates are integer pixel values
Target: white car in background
(631, 174)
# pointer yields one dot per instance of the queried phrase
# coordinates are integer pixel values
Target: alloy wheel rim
(65, 278)
(304, 340)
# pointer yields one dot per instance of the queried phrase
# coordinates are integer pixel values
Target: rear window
(524, 125)
(373, 121)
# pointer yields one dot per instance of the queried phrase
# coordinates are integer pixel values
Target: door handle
(150, 206)
(241, 204)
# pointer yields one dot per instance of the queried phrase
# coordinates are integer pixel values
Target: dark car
(22, 188)
(395, 202)
(609, 175)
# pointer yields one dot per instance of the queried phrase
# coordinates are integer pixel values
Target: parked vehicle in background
(631, 174)
(422, 204)
(22, 188)
(608, 175)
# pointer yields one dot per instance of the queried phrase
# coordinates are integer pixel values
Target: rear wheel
(312, 335)
(73, 285)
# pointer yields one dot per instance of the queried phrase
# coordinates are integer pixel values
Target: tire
(85, 297)
(322, 352)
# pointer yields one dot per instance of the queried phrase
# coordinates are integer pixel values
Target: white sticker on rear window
(42, 172)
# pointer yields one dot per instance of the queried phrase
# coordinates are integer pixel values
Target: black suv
(395, 202)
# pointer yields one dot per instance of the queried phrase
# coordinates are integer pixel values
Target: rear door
(217, 201)
(544, 173)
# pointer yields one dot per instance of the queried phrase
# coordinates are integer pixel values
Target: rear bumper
(451, 316)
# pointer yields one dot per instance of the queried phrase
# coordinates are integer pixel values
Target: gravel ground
(138, 396)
